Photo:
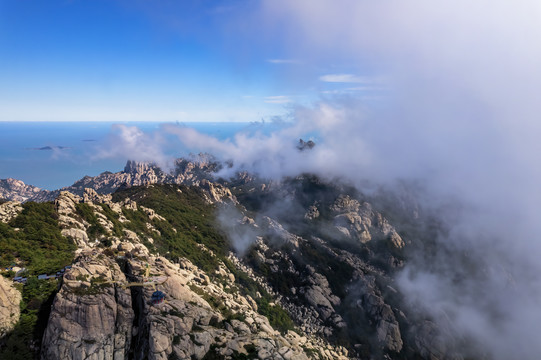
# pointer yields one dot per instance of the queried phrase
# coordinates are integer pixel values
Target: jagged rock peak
(91, 196)
(13, 189)
(305, 145)
(202, 159)
(133, 166)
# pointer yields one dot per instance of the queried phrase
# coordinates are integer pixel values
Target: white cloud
(463, 118)
(356, 89)
(346, 78)
(279, 99)
(284, 61)
(129, 142)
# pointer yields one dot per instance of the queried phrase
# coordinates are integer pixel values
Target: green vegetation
(35, 306)
(220, 306)
(278, 317)
(97, 285)
(33, 240)
(189, 222)
(336, 271)
(85, 211)
(311, 353)
(280, 283)
(176, 313)
(112, 217)
(138, 221)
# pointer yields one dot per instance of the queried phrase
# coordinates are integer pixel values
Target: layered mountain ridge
(185, 171)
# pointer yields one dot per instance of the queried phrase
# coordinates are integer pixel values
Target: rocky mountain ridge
(16, 190)
(185, 171)
(251, 269)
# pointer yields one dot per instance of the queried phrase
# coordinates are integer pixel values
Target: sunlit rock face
(192, 171)
(9, 306)
(12, 189)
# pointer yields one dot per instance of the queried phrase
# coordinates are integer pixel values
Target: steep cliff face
(101, 312)
(9, 306)
(91, 317)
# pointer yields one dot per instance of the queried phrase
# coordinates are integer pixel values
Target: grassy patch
(189, 222)
(85, 211)
(278, 317)
(337, 272)
(113, 218)
(38, 244)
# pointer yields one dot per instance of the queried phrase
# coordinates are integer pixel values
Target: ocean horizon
(52, 155)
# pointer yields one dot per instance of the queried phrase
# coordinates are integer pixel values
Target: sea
(51, 155)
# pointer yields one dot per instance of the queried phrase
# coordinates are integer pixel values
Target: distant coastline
(70, 148)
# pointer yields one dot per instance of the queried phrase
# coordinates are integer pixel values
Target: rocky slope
(12, 189)
(97, 314)
(250, 269)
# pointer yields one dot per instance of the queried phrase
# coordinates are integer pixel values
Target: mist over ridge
(460, 117)
(425, 117)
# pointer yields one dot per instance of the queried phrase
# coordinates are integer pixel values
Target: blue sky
(116, 61)
(147, 61)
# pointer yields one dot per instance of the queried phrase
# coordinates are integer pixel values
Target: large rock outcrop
(95, 317)
(92, 316)
(72, 226)
(9, 210)
(361, 222)
(9, 306)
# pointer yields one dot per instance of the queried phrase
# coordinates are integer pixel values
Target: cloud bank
(461, 116)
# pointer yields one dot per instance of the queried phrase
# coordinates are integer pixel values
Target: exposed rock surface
(9, 210)
(91, 317)
(16, 190)
(72, 226)
(192, 171)
(9, 306)
(359, 221)
(330, 263)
